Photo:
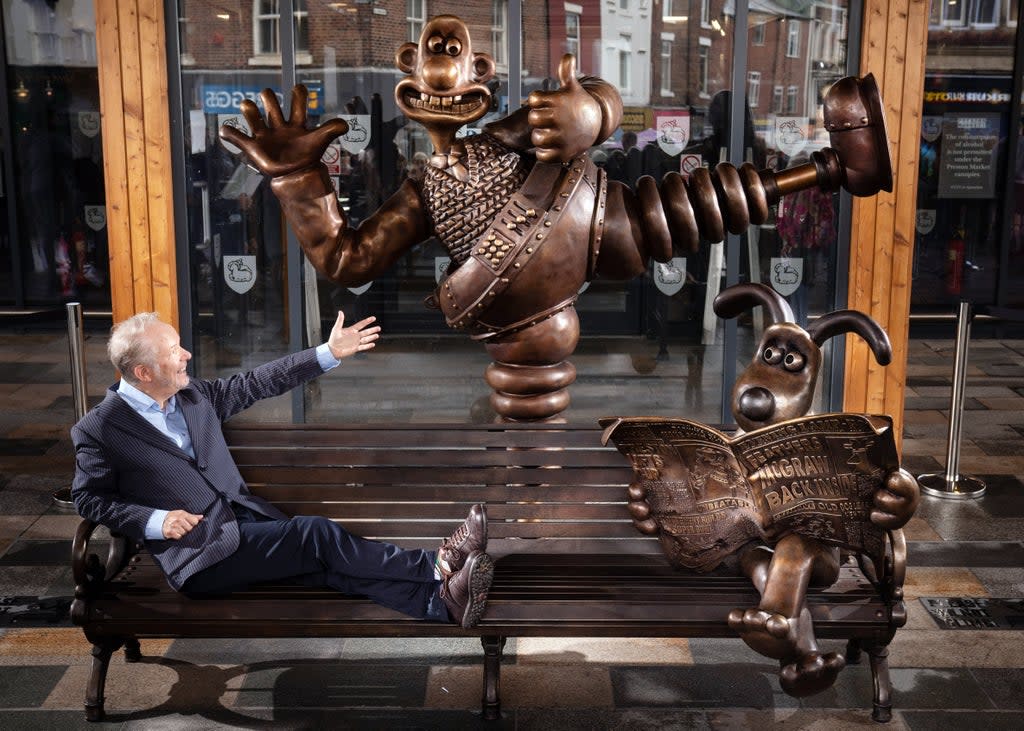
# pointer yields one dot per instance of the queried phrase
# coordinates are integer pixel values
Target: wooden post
(130, 46)
(895, 42)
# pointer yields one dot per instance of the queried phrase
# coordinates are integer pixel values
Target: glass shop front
(53, 232)
(970, 204)
(650, 344)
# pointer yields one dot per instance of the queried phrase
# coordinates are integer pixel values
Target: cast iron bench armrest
(896, 564)
(887, 571)
(88, 572)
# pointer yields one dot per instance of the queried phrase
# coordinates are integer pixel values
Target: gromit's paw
(810, 673)
(769, 633)
(640, 509)
(896, 501)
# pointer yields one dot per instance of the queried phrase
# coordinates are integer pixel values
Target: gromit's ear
(405, 58)
(852, 321)
(738, 298)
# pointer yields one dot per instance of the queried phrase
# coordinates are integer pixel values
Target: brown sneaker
(468, 537)
(465, 592)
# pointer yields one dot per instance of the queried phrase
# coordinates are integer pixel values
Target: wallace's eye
(436, 44)
(794, 362)
(772, 355)
(454, 47)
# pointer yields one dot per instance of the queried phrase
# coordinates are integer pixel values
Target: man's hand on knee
(178, 523)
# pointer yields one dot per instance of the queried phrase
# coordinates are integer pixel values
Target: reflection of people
(625, 165)
(152, 464)
(807, 226)
(719, 116)
(418, 169)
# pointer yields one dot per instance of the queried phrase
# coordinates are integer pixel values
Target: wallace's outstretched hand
(278, 147)
(566, 121)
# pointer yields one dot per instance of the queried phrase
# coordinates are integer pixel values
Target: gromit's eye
(454, 48)
(794, 362)
(773, 355)
(436, 44)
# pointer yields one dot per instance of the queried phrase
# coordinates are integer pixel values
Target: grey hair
(128, 348)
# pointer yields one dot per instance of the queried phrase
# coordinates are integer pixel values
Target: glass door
(652, 340)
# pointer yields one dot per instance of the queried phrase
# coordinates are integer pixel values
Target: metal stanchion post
(952, 484)
(76, 350)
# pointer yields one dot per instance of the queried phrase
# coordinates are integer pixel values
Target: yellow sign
(637, 119)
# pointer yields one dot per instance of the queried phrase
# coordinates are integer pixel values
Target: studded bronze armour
(530, 259)
(460, 210)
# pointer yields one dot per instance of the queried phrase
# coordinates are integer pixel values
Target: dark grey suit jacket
(125, 468)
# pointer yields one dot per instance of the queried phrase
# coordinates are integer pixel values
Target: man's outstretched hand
(178, 523)
(278, 147)
(346, 341)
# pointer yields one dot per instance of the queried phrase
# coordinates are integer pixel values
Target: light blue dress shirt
(170, 422)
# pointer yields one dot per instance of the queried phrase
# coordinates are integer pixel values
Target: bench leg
(101, 652)
(853, 652)
(132, 650)
(493, 646)
(878, 654)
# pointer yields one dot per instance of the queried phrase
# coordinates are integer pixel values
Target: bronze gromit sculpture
(524, 213)
(745, 502)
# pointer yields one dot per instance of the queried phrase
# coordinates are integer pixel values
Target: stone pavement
(968, 678)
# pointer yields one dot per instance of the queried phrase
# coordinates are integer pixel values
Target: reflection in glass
(60, 251)
(960, 246)
(648, 339)
(235, 242)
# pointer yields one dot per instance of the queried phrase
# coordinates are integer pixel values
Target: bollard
(952, 484)
(76, 351)
(79, 390)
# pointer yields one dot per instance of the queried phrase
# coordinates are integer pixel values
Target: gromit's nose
(757, 404)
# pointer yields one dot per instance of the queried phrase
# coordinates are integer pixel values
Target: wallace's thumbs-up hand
(565, 121)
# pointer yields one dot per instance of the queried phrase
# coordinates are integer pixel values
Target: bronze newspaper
(815, 475)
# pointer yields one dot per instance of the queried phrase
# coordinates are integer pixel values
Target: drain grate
(975, 612)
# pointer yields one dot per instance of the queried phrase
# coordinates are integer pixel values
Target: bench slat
(415, 436)
(454, 475)
(400, 513)
(313, 457)
(445, 494)
(543, 573)
(394, 532)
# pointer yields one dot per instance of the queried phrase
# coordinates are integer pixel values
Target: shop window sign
(227, 98)
(970, 143)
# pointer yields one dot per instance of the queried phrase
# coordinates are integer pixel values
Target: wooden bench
(569, 562)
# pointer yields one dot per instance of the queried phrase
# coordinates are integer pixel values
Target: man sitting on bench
(153, 465)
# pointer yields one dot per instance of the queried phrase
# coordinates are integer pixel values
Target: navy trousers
(315, 551)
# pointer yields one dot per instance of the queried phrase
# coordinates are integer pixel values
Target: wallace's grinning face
(446, 86)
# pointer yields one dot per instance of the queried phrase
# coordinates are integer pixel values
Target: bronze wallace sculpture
(777, 500)
(524, 213)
